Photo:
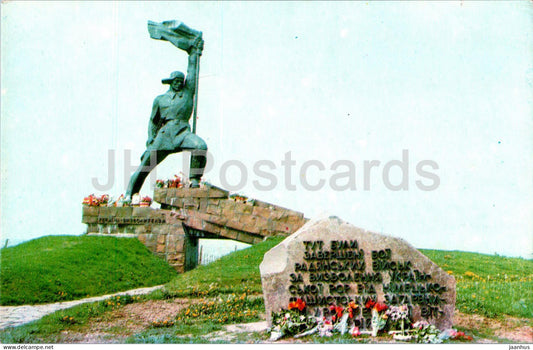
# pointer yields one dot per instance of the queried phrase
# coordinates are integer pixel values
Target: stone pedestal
(186, 215)
(159, 230)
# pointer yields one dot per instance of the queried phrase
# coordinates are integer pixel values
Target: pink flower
(355, 331)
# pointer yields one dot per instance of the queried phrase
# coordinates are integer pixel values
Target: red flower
(92, 200)
(298, 304)
(351, 308)
(338, 310)
(461, 336)
(369, 304)
(380, 307)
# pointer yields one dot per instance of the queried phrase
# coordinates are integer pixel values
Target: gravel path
(11, 316)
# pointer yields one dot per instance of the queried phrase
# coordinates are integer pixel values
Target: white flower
(401, 337)
(135, 199)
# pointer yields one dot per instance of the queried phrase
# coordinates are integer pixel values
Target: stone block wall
(186, 215)
(155, 228)
(212, 210)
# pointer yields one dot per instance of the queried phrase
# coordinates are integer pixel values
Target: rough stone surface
(380, 267)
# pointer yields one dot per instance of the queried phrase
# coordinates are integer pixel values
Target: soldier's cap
(173, 75)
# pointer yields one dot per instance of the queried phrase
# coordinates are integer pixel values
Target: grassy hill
(60, 268)
(228, 291)
(490, 285)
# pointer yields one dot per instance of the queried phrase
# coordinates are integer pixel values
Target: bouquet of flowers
(90, 200)
(94, 201)
(379, 318)
(120, 201)
(399, 315)
(103, 200)
(176, 183)
(291, 322)
(295, 322)
(424, 332)
(460, 336)
(341, 317)
(454, 335)
(238, 198)
(145, 201)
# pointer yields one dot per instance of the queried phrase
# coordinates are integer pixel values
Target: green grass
(493, 286)
(228, 278)
(196, 323)
(234, 273)
(503, 286)
(489, 285)
(60, 268)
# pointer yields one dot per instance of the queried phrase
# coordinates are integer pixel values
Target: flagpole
(196, 96)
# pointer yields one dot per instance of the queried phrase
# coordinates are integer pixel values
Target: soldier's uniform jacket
(170, 119)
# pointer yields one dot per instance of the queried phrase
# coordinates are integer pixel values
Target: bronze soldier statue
(168, 130)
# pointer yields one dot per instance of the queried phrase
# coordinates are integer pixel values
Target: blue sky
(450, 82)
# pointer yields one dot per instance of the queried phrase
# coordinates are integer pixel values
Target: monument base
(188, 214)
